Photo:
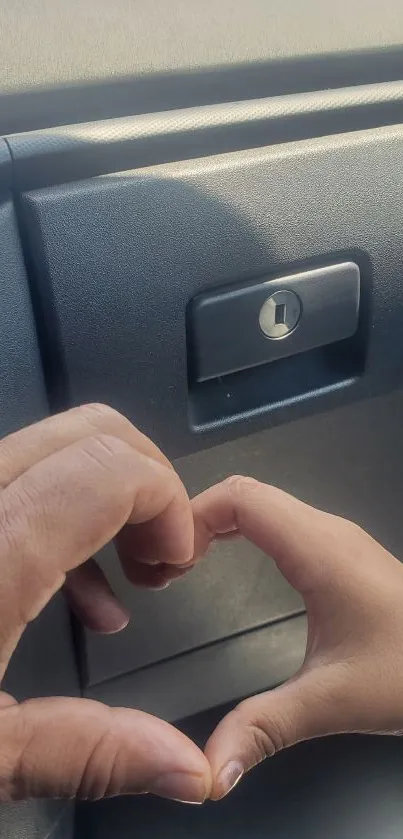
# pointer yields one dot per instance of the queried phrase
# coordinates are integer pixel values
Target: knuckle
(9, 527)
(264, 735)
(354, 530)
(16, 736)
(94, 410)
(344, 528)
(6, 460)
(112, 462)
(102, 419)
(97, 776)
(99, 415)
(29, 505)
(103, 773)
(240, 485)
(103, 449)
(114, 459)
(25, 526)
(239, 489)
(17, 510)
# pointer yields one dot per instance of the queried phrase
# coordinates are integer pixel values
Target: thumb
(265, 724)
(76, 747)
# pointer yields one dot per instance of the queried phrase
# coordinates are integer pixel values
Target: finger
(64, 509)
(25, 448)
(299, 538)
(77, 747)
(157, 576)
(156, 539)
(93, 601)
(316, 553)
(95, 604)
(263, 725)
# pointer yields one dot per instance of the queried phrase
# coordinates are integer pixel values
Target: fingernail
(184, 565)
(228, 778)
(118, 628)
(180, 786)
(108, 621)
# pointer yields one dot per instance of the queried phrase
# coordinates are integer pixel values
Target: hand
(69, 485)
(352, 676)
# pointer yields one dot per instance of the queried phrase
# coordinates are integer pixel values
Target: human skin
(74, 482)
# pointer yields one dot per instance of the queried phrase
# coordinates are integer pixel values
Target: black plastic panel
(196, 611)
(5, 166)
(221, 672)
(118, 258)
(347, 462)
(37, 820)
(323, 306)
(22, 390)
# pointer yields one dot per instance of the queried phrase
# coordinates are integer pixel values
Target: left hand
(68, 486)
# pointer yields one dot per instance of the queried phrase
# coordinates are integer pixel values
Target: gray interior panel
(243, 590)
(45, 664)
(345, 462)
(5, 167)
(222, 672)
(118, 259)
(339, 788)
(37, 820)
(70, 152)
(22, 389)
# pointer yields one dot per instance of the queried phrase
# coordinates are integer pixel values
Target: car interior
(201, 225)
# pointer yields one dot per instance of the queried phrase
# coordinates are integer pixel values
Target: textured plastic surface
(22, 390)
(5, 166)
(327, 303)
(70, 152)
(37, 820)
(118, 258)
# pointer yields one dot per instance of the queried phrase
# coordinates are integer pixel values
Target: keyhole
(279, 314)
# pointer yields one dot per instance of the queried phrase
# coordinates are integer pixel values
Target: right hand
(352, 676)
